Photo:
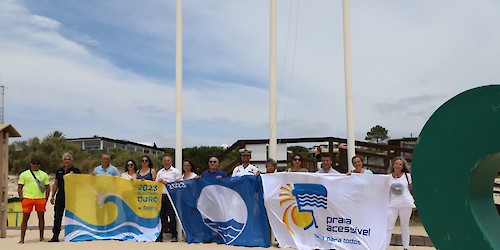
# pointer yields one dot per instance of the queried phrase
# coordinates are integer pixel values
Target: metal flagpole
(178, 92)
(348, 84)
(273, 152)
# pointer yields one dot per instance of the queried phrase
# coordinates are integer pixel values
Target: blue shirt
(208, 174)
(111, 170)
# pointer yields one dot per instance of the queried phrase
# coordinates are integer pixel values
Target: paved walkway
(415, 240)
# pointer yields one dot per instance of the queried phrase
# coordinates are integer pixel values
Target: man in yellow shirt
(33, 190)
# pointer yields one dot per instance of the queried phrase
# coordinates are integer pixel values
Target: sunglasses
(212, 161)
(130, 164)
(145, 160)
(35, 163)
(297, 159)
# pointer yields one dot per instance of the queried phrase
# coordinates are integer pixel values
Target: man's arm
(47, 192)
(20, 191)
(55, 187)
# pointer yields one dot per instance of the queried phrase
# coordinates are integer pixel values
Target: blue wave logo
(213, 203)
(229, 230)
(127, 226)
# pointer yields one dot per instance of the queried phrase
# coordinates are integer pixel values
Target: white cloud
(44, 22)
(408, 59)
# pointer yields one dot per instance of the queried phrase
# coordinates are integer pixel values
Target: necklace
(396, 176)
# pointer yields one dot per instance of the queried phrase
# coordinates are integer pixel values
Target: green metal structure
(455, 162)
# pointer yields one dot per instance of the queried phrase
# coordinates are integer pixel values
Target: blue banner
(227, 210)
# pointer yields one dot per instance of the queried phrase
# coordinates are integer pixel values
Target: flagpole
(178, 92)
(273, 152)
(348, 84)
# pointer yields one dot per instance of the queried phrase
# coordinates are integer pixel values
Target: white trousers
(404, 217)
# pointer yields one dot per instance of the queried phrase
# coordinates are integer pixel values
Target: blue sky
(107, 68)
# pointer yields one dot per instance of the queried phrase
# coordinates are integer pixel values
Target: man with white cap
(245, 168)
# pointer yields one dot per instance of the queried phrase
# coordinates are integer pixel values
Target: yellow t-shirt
(30, 189)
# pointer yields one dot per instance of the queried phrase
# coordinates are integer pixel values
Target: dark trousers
(167, 211)
(59, 207)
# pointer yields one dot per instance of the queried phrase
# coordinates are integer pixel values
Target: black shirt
(60, 178)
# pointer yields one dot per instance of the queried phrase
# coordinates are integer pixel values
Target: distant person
(245, 168)
(327, 164)
(33, 190)
(317, 155)
(106, 168)
(271, 166)
(297, 164)
(58, 189)
(401, 201)
(188, 168)
(165, 175)
(130, 170)
(213, 170)
(357, 162)
(146, 172)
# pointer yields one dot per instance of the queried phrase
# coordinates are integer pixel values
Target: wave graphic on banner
(126, 226)
(229, 230)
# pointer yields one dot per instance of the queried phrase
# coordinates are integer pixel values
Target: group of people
(34, 189)
(165, 174)
(401, 202)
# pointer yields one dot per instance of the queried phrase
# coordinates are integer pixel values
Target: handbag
(410, 187)
(414, 215)
(40, 184)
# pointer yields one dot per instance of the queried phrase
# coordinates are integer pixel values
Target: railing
(369, 150)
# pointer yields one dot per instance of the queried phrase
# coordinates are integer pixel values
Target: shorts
(28, 205)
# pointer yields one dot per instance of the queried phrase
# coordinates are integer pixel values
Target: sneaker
(159, 239)
(173, 239)
(54, 239)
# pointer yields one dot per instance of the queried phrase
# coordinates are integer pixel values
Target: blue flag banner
(227, 210)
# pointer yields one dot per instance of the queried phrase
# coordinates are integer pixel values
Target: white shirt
(189, 177)
(240, 170)
(169, 175)
(400, 196)
(127, 176)
(331, 171)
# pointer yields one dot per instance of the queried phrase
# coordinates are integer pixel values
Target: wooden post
(6, 131)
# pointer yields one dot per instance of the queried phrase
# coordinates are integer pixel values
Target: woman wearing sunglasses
(130, 170)
(147, 172)
(297, 164)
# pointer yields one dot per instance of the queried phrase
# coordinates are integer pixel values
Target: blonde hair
(67, 154)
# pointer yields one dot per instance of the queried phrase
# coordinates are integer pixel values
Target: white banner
(325, 211)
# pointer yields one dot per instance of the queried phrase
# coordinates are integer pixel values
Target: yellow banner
(107, 207)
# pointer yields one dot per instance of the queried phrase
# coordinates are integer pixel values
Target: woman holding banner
(297, 164)
(147, 172)
(188, 168)
(130, 170)
(401, 201)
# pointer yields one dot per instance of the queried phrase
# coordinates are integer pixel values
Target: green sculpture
(455, 162)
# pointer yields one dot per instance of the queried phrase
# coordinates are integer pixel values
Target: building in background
(103, 143)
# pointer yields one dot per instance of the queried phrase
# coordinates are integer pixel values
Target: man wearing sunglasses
(213, 170)
(33, 190)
